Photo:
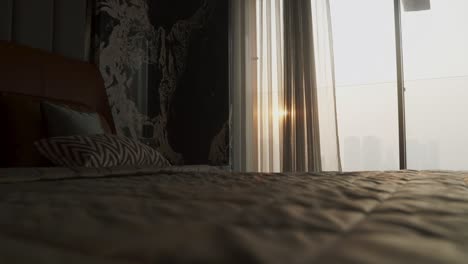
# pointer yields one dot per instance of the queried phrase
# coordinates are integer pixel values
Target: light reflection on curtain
(278, 109)
(270, 84)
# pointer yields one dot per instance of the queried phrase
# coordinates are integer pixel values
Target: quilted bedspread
(149, 216)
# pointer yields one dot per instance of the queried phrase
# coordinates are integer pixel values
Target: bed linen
(202, 215)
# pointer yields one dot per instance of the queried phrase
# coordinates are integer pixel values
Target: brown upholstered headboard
(34, 72)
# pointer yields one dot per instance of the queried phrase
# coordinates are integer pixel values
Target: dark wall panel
(70, 28)
(59, 26)
(6, 14)
(33, 23)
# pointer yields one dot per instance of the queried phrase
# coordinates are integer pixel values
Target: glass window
(366, 83)
(435, 48)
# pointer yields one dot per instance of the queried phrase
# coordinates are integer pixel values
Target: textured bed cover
(188, 216)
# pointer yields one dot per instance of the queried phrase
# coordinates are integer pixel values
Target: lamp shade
(416, 5)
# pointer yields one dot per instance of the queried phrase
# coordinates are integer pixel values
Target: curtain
(270, 109)
(243, 85)
(282, 86)
(325, 85)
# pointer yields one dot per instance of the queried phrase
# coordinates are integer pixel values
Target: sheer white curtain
(325, 85)
(243, 85)
(270, 110)
(282, 86)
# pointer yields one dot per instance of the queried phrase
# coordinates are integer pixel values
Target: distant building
(414, 154)
(372, 153)
(423, 155)
(352, 154)
(391, 160)
(432, 157)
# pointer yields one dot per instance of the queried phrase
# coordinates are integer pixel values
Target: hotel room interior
(233, 131)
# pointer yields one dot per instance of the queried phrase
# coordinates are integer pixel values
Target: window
(366, 83)
(435, 63)
(435, 53)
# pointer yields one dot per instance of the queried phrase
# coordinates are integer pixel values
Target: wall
(164, 62)
(60, 26)
(165, 67)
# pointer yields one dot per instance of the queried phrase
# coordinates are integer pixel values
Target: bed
(143, 214)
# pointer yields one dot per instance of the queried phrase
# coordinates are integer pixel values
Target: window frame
(401, 87)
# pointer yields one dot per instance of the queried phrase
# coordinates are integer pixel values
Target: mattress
(144, 215)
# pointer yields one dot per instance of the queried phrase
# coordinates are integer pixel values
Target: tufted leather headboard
(38, 73)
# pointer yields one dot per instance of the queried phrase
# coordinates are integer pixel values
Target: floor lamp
(409, 6)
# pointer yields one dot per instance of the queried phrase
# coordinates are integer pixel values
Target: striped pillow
(97, 151)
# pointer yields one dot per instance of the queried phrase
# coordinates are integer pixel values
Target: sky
(435, 44)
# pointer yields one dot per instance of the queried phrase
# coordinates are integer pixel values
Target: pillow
(61, 121)
(22, 124)
(98, 151)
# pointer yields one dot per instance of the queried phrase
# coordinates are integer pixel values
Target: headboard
(38, 73)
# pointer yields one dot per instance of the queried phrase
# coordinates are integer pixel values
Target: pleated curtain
(282, 87)
(243, 85)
